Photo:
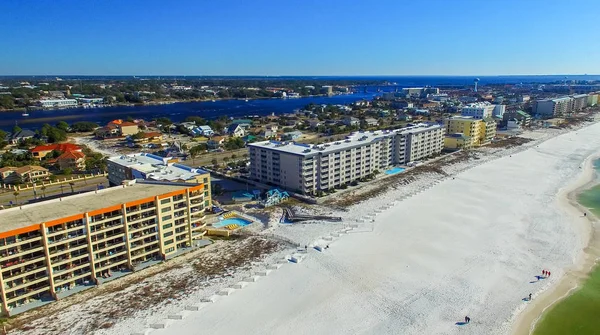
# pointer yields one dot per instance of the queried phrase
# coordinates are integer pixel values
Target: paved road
(7, 196)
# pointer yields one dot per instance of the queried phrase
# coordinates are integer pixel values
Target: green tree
(62, 125)
(43, 188)
(195, 151)
(3, 135)
(16, 129)
(7, 102)
(16, 195)
(72, 184)
(67, 171)
(140, 135)
(196, 119)
(233, 157)
(56, 135)
(215, 162)
(84, 126)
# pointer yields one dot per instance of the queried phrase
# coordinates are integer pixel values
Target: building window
(168, 217)
(165, 201)
(167, 234)
(167, 226)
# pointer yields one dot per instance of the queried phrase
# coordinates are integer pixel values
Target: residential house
(314, 123)
(41, 151)
(292, 136)
(371, 122)
(108, 132)
(402, 104)
(206, 131)
(351, 121)
(21, 136)
(28, 173)
(125, 127)
(149, 137)
(236, 130)
(403, 117)
(215, 142)
(268, 133)
(272, 127)
(188, 125)
(74, 160)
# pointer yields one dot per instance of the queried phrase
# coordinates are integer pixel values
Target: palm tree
(43, 188)
(16, 194)
(72, 184)
(233, 157)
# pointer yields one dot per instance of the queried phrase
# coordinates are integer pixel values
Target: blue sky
(299, 37)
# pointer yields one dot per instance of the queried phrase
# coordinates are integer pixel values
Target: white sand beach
(470, 245)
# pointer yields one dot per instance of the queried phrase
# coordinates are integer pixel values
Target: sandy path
(470, 245)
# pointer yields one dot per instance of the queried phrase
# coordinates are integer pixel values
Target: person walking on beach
(529, 296)
(467, 319)
(548, 273)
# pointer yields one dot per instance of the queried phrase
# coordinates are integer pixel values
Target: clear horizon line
(291, 75)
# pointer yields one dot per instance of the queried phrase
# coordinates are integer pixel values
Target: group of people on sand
(545, 274)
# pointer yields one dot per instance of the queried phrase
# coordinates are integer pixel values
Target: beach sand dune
(471, 245)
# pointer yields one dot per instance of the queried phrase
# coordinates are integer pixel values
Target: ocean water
(591, 198)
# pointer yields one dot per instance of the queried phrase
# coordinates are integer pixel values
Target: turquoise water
(238, 221)
(394, 170)
(591, 198)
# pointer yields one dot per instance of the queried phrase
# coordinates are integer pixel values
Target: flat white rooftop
(27, 215)
(156, 167)
(353, 140)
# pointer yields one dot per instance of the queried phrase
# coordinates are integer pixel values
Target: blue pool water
(394, 170)
(238, 221)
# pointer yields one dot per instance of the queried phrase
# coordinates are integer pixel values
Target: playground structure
(274, 197)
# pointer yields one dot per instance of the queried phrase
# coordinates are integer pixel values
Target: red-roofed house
(125, 127)
(71, 159)
(41, 151)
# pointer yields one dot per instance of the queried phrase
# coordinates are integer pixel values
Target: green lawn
(577, 314)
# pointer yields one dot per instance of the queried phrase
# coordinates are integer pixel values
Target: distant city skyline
(311, 38)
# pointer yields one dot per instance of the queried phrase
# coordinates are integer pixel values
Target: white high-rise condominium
(308, 168)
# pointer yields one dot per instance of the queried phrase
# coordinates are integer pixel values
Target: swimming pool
(394, 170)
(226, 222)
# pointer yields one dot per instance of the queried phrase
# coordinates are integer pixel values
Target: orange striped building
(55, 248)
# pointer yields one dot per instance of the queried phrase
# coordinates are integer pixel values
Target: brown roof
(27, 168)
(71, 155)
(7, 168)
(128, 124)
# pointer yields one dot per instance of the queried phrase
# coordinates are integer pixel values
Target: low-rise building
(57, 103)
(206, 131)
(215, 142)
(23, 174)
(41, 151)
(54, 248)
(523, 118)
(21, 136)
(236, 130)
(151, 167)
(457, 141)
(309, 168)
(351, 121)
(74, 160)
(371, 122)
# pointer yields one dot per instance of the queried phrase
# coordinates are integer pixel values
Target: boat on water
(246, 100)
(213, 100)
(25, 114)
